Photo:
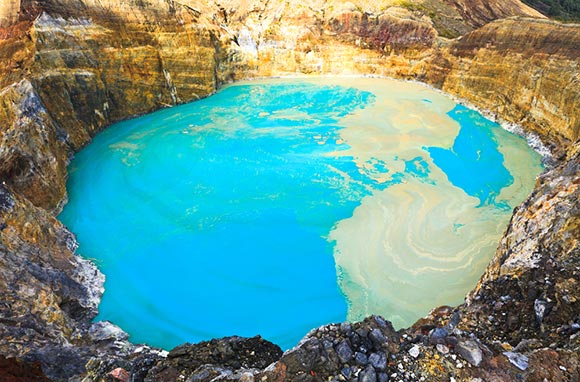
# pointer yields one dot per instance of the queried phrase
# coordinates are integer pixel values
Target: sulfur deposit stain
(276, 206)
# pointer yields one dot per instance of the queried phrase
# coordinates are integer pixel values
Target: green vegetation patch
(564, 10)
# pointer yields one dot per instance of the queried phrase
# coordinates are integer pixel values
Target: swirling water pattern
(222, 216)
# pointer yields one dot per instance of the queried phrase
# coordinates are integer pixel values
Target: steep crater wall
(70, 70)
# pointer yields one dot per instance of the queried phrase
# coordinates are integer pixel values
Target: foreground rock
(69, 69)
(48, 294)
(13, 370)
(231, 358)
(435, 349)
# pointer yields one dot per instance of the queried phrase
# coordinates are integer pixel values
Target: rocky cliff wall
(524, 71)
(9, 10)
(531, 289)
(479, 12)
(49, 295)
(69, 69)
(108, 63)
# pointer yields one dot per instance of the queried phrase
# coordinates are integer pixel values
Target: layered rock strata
(9, 10)
(71, 68)
(530, 79)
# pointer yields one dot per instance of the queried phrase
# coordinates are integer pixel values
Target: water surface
(277, 206)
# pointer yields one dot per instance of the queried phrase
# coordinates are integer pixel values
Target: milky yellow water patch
(518, 163)
(404, 118)
(423, 242)
(412, 247)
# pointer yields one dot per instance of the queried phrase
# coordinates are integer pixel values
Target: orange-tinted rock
(481, 12)
(525, 72)
(385, 33)
(9, 10)
(120, 374)
(33, 159)
(16, 370)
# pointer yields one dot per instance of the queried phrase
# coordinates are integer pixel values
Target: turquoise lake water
(254, 211)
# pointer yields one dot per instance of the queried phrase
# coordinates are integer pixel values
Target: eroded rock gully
(70, 68)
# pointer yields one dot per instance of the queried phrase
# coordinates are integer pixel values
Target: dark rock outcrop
(230, 358)
(48, 295)
(336, 352)
(226, 356)
(14, 370)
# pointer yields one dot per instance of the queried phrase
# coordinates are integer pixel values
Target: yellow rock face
(9, 10)
(108, 60)
(524, 71)
(33, 158)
